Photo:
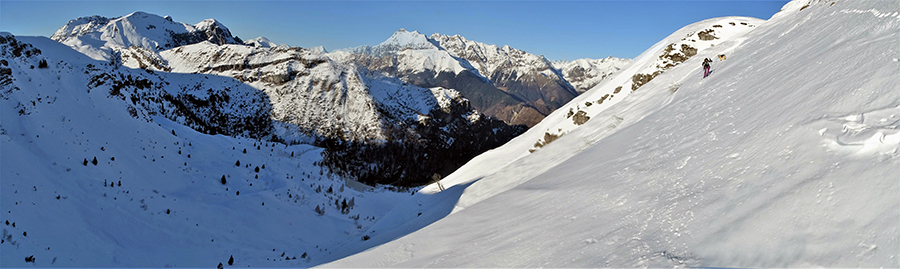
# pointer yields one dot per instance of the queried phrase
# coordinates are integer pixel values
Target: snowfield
(786, 156)
(85, 183)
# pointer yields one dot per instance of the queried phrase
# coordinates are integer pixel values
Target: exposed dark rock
(707, 34)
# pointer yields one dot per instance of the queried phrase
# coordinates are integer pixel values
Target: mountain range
(140, 141)
(509, 84)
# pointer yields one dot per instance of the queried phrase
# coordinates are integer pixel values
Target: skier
(706, 62)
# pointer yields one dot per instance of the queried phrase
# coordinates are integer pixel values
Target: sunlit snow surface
(786, 156)
(155, 196)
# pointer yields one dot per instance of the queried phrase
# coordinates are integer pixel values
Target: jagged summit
(586, 73)
(399, 41)
(100, 37)
(403, 39)
(510, 84)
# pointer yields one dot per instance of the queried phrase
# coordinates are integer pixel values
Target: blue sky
(556, 29)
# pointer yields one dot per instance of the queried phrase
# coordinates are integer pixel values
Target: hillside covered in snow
(374, 128)
(140, 141)
(206, 152)
(787, 155)
(110, 166)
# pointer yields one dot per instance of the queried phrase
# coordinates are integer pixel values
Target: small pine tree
(231, 260)
(223, 180)
(94, 161)
(238, 163)
(85, 162)
(42, 63)
(220, 266)
(345, 209)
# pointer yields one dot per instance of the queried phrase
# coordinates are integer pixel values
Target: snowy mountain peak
(260, 42)
(503, 82)
(208, 23)
(401, 40)
(100, 37)
(319, 49)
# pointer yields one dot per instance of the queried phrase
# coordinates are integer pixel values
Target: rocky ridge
(510, 84)
(311, 97)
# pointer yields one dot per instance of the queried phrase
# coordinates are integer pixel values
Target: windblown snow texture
(787, 156)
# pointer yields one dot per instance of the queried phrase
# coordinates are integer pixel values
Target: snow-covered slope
(105, 167)
(315, 98)
(708, 38)
(100, 37)
(788, 155)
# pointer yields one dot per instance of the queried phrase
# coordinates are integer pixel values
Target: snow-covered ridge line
(515, 86)
(100, 37)
(720, 35)
(315, 98)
